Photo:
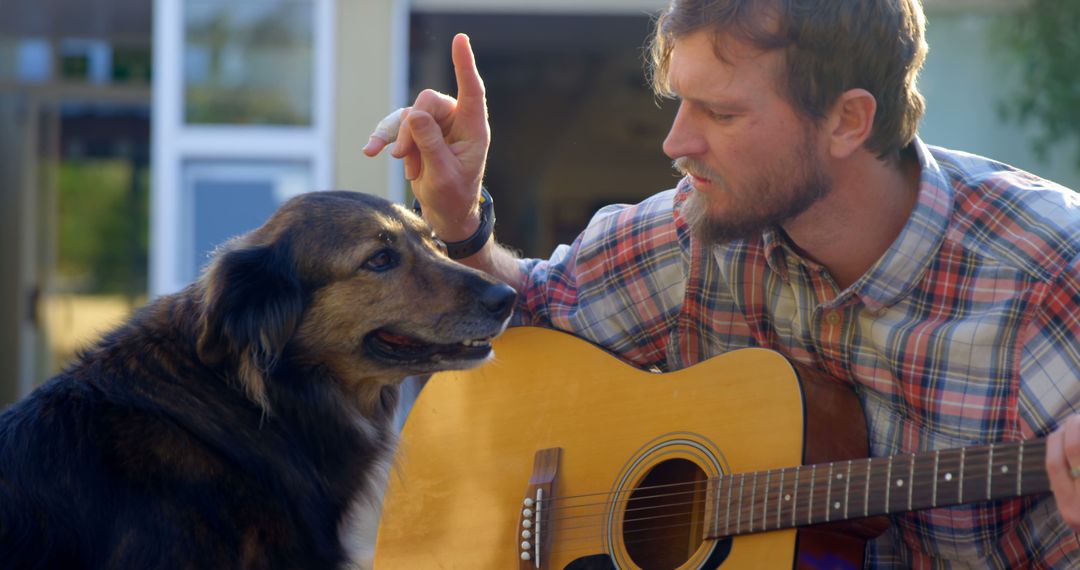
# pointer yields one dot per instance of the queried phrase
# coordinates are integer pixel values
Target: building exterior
(188, 121)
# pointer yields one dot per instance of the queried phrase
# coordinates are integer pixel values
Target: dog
(244, 421)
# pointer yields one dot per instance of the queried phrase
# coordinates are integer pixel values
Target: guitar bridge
(533, 528)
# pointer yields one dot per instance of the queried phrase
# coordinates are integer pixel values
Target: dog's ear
(252, 305)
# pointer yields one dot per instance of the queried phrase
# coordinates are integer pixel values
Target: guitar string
(742, 511)
(567, 535)
(803, 478)
(572, 534)
(755, 507)
(803, 510)
(972, 458)
(586, 544)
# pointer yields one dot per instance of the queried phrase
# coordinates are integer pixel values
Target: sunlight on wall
(75, 322)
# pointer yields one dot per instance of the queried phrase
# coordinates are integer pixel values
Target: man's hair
(829, 46)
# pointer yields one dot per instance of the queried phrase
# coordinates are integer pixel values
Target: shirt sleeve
(1049, 392)
(620, 284)
(1050, 356)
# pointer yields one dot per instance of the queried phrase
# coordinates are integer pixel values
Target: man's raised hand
(443, 142)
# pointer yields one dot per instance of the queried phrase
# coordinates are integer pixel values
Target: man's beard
(768, 202)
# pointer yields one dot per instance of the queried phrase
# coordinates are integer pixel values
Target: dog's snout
(499, 300)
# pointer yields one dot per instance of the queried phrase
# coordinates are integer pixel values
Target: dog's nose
(499, 300)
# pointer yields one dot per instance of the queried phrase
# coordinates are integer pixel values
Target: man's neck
(852, 227)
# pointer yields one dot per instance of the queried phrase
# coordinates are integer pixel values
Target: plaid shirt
(962, 333)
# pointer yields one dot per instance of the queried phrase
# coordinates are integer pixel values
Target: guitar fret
(795, 499)
(960, 494)
(989, 471)
(1019, 468)
(828, 495)
(911, 481)
(727, 513)
(847, 487)
(810, 502)
(866, 496)
(780, 498)
(753, 497)
(765, 506)
(888, 484)
(738, 515)
(933, 497)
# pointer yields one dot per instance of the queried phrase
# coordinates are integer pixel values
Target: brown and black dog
(242, 422)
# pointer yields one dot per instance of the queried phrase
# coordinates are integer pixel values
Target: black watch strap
(474, 243)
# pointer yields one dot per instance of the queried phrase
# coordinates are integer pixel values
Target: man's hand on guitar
(444, 144)
(1063, 468)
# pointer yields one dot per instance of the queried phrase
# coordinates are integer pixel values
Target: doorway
(74, 164)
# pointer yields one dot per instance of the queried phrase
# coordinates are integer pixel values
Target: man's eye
(383, 260)
(721, 117)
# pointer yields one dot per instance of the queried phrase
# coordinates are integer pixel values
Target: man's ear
(252, 306)
(850, 122)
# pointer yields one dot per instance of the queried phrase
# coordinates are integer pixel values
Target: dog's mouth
(397, 348)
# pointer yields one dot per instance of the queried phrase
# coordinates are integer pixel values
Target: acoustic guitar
(556, 454)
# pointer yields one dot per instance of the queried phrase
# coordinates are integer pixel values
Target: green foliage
(1042, 38)
(103, 228)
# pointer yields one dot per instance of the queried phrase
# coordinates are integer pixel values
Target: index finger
(470, 84)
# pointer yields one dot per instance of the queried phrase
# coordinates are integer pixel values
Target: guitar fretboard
(746, 503)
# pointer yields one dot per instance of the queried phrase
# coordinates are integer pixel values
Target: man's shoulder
(1009, 214)
(973, 172)
(655, 217)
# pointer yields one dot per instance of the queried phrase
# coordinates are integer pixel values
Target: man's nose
(684, 138)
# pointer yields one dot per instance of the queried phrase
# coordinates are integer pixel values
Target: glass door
(241, 107)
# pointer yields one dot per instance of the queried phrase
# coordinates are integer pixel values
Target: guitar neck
(746, 503)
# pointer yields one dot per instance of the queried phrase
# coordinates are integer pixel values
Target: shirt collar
(906, 261)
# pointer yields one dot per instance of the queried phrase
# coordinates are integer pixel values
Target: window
(248, 62)
(223, 199)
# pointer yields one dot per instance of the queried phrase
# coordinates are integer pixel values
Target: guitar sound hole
(663, 522)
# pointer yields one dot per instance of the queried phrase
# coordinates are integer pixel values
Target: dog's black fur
(236, 424)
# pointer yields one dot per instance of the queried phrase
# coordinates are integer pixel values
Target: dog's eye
(383, 260)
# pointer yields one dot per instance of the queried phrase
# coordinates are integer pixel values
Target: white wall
(965, 82)
(370, 80)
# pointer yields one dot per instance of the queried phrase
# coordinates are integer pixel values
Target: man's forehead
(704, 66)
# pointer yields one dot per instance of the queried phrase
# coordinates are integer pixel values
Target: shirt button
(833, 318)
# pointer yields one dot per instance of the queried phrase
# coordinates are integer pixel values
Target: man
(943, 286)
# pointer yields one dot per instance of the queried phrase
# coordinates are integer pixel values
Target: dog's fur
(240, 422)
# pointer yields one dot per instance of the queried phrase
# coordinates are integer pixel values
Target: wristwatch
(474, 243)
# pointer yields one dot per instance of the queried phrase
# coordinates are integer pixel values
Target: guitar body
(468, 452)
